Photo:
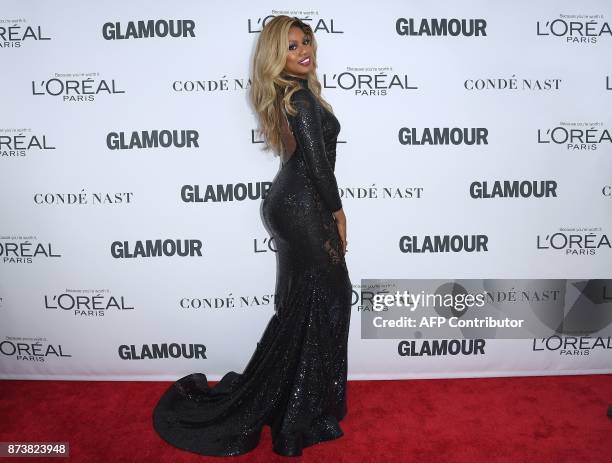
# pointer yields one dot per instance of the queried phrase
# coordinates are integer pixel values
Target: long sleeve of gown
(306, 126)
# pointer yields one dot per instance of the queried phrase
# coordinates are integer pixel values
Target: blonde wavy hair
(270, 92)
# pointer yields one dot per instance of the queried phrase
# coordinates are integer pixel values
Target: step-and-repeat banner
(475, 156)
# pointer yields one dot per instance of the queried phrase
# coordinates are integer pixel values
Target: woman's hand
(340, 219)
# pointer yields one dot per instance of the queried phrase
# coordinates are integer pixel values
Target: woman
(295, 381)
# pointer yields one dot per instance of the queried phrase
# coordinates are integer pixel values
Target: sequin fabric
(296, 379)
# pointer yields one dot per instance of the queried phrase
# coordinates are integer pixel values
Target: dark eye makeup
(306, 42)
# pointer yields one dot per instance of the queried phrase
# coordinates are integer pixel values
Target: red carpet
(527, 419)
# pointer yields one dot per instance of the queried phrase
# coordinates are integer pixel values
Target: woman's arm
(306, 125)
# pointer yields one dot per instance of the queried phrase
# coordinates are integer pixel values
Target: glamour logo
(608, 83)
(75, 89)
(444, 136)
(514, 189)
(575, 136)
(444, 243)
(227, 302)
(512, 83)
(145, 29)
(441, 347)
(381, 192)
(264, 245)
(379, 83)
(83, 198)
(162, 351)
(574, 244)
(83, 304)
(210, 86)
(14, 143)
(573, 29)
(441, 27)
(572, 345)
(156, 248)
(13, 36)
(224, 192)
(20, 250)
(174, 138)
(320, 25)
(31, 349)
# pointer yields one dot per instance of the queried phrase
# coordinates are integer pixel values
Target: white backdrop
(66, 196)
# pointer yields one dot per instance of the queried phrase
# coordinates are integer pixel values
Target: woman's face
(299, 55)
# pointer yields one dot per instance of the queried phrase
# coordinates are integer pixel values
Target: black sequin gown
(296, 379)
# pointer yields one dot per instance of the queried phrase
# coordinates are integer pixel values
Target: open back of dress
(289, 143)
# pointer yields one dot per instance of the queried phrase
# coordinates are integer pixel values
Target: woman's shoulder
(304, 98)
